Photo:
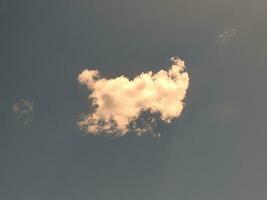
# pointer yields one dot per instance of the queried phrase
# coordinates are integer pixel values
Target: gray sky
(215, 150)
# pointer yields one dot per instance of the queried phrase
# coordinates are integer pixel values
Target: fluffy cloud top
(119, 102)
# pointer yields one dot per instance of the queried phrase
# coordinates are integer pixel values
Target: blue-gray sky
(215, 150)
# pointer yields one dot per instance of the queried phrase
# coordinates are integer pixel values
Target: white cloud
(119, 102)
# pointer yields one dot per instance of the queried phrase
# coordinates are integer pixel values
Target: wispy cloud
(23, 110)
(119, 103)
(225, 37)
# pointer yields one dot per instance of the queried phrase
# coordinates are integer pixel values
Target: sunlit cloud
(121, 105)
(23, 110)
(225, 37)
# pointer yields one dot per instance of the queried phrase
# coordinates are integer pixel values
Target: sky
(214, 150)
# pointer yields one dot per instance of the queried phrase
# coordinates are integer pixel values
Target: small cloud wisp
(118, 103)
(226, 36)
(23, 110)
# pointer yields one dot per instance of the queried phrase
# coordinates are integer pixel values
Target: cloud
(23, 111)
(121, 105)
(226, 36)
